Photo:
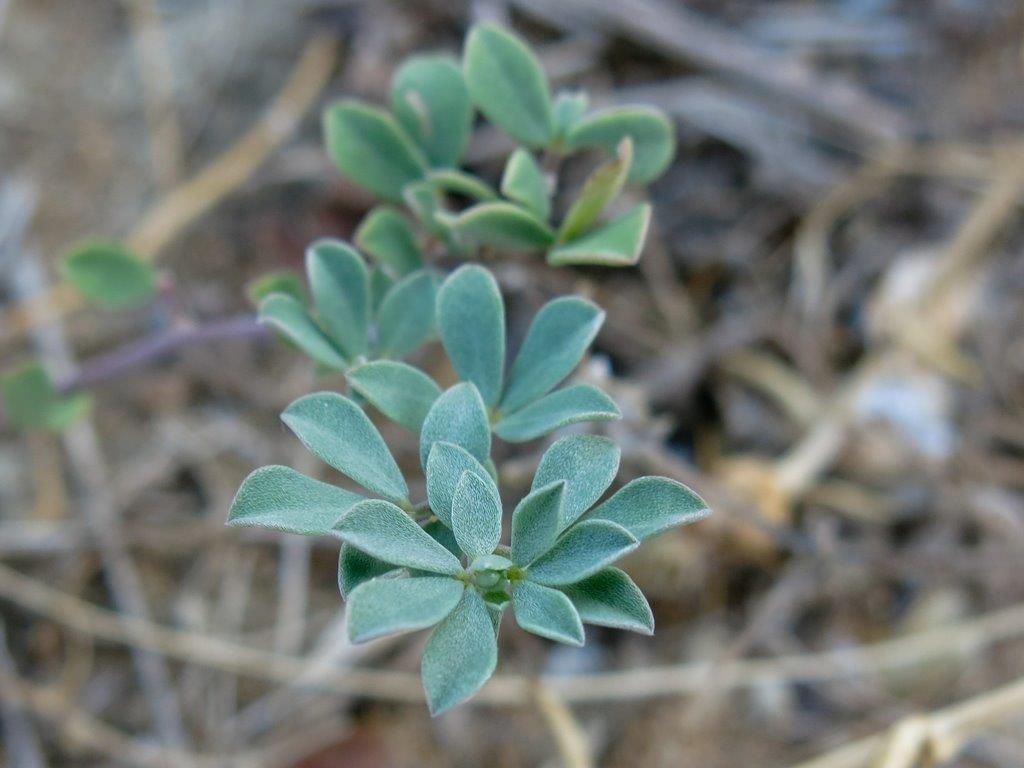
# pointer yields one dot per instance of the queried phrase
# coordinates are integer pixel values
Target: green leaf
(588, 465)
(461, 654)
(458, 416)
(446, 464)
(556, 342)
(402, 393)
(281, 499)
(385, 606)
(336, 430)
(287, 316)
(380, 283)
(355, 568)
(616, 244)
(430, 101)
(382, 530)
(368, 146)
(507, 84)
(654, 141)
(523, 182)
(108, 274)
(609, 598)
(341, 293)
(570, 106)
(580, 402)
(581, 551)
(284, 281)
(650, 505)
(546, 612)
(461, 183)
(405, 320)
(471, 319)
(423, 200)
(476, 515)
(600, 188)
(32, 401)
(502, 225)
(443, 535)
(536, 522)
(386, 235)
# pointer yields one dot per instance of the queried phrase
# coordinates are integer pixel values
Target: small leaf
(584, 549)
(386, 606)
(649, 505)
(523, 182)
(471, 319)
(580, 402)
(402, 393)
(430, 101)
(368, 146)
(461, 654)
(460, 417)
(284, 281)
(32, 401)
(600, 188)
(405, 320)
(341, 293)
(507, 84)
(461, 183)
(654, 141)
(476, 515)
(616, 244)
(386, 235)
(287, 315)
(336, 430)
(587, 463)
(382, 530)
(556, 342)
(609, 598)
(446, 464)
(536, 522)
(355, 568)
(108, 274)
(546, 612)
(502, 225)
(570, 106)
(281, 499)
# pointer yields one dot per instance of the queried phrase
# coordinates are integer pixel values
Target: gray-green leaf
(570, 106)
(523, 182)
(588, 465)
(33, 402)
(609, 598)
(446, 464)
(600, 188)
(471, 319)
(355, 568)
(649, 505)
(476, 515)
(108, 274)
(458, 416)
(288, 316)
(502, 225)
(461, 183)
(386, 606)
(386, 235)
(341, 293)
(402, 393)
(281, 499)
(536, 522)
(405, 319)
(653, 137)
(460, 655)
(546, 612)
(580, 402)
(584, 549)
(616, 244)
(430, 101)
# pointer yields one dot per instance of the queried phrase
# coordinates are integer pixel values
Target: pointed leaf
(654, 141)
(502, 225)
(476, 515)
(609, 598)
(386, 606)
(341, 293)
(600, 188)
(649, 505)
(386, 235)
(588, 465)
(536, 522)
(583, 550)
(405, 320)
(546, 612)
(461, 183)
(430, 101)
(281, 499)
(523, 182)
(288, 316)
(460, 655)
(580, 402)
(458, 416)
(616, 244)
(570, 106)
(284, 281)
(507, 84)
(446, 464)
(355, 568)
(336, 430)
(471, 319)
(382, 530)
(33, 402)
(108, 274)
(402, 393)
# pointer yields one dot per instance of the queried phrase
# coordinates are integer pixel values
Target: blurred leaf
(405, 320)
(476, 515)
(33, 402)
(287, 315)
(281, 499)
(107, 274)
(380, 283)
(284, 281)
(460, 655)
(385, 606)
(588, 465)
(458, 416)
(581, 551)
(502, 225)
(355, 568)
(471, 320)
(430, 101)
(600, 188)
(649, 505)
(570, 106)
(461, 183)
(341, 293)
(616, 244)
(654, 141)
(609, 598)
(446, 463)
(402, 393)
(385, 234)
(523, 182)
(536, 522)
(580, 402)
(546, 612)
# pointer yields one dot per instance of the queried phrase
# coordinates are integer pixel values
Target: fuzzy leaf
(281, 499)
(570, 106)
(341, 293)
(588, 465)
(502, 225)
(546, 612)
(405, 320)
(600, 188)
(430, 101)
(402, 393)
(649, 505)
(336, 430)
(616, 244)
(446, 464)
(284, 281)
(458, 416)
(380, 283)
(507, 84)
(523, 182)
(654, 141)
(580, 402)
(609, 598)
(109, 274)
(460, 655)
(461, 183)
(536, 522)
(476, 515)
(385, 606)
(368, 146)
(289, 317)
(471, 319)
(443, 535)
(32, 401)
(386, 235)
(557, 340)
(355, 568)
(382, 530)
(584, 549)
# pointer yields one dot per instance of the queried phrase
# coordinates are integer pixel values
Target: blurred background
(824, 337)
